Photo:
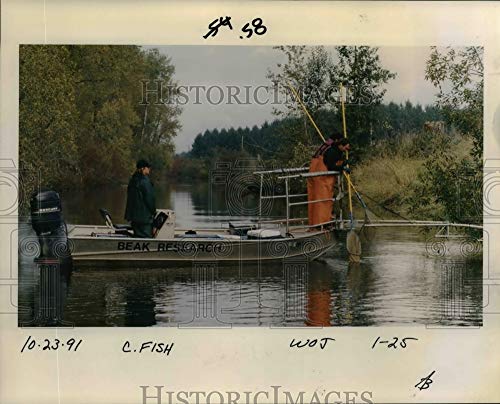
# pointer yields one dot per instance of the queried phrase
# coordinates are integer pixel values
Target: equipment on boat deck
(264, 234)
(241, 228)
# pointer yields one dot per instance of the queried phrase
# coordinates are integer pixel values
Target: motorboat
(111, 244)
(239, 242)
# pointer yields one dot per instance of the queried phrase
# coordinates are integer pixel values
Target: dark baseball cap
(142, 163)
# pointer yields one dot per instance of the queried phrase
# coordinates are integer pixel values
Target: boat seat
(124, 229)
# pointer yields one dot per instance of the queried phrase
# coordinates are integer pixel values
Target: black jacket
(141, 206)
(332, 157)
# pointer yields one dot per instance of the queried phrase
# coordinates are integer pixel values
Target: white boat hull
(93, 245)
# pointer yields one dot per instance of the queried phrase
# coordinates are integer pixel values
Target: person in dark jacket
(141, 208)
(334, 157)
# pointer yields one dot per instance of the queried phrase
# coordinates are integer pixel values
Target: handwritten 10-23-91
(256, 27)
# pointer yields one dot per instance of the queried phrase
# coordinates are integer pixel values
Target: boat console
(164, 224)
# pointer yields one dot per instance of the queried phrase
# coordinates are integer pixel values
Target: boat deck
(95, 231)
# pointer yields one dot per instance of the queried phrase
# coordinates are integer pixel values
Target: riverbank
(396, 175)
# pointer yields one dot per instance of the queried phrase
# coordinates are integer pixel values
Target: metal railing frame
(294, 173)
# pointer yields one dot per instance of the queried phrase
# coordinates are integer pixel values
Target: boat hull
(115, 251)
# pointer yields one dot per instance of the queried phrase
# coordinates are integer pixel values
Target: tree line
(275, 139)
(81, 121)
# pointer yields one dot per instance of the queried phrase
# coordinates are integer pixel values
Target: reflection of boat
(254, 241)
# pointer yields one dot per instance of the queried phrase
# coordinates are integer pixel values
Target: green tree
(456, 181)
(107, 92)
(292, 72)
(319, 75)
(81, 119)
(306, 71)
(159, 122)
(360, 71)
(459, 76)
(47, 115)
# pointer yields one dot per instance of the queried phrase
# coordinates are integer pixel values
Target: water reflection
(397, 281)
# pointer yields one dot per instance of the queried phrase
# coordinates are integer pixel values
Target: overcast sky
(247, 66)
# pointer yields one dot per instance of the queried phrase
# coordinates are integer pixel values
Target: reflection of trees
(163, 194)
(115, 298)
(104, 297)
(200, 195)
(359, 282)
(140, 305)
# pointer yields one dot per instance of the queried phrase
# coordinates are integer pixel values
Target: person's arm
(130, 204)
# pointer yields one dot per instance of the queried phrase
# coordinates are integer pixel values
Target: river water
(405, 277)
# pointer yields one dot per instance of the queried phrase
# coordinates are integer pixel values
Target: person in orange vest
(329, 157)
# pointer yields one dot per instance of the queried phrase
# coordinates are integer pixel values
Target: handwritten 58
(256, 26)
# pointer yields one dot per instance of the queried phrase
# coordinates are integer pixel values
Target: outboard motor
(48, 222)
(54, 262)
